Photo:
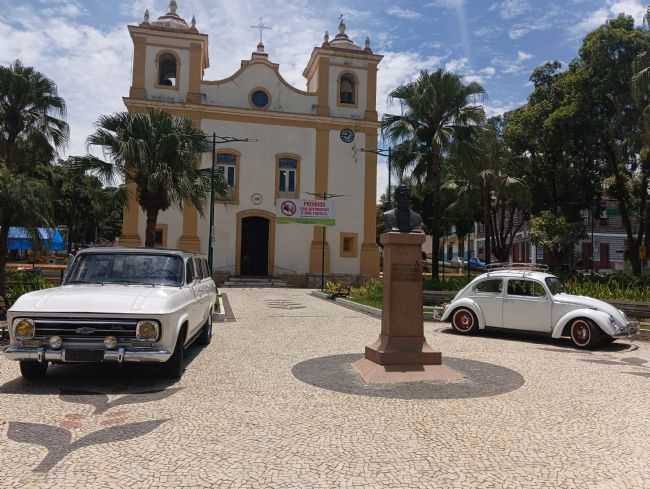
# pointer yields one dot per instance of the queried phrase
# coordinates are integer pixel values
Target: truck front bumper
(119, 355)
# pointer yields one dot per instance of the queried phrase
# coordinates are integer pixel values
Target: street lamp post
(217, 140)
(388, 153)
(325, 196)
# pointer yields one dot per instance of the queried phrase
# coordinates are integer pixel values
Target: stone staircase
(253, 282)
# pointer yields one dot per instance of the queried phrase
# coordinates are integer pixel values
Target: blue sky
(84, 45)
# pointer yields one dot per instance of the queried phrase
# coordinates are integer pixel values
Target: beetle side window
(525, 288)
(189, 271)
(489, 287)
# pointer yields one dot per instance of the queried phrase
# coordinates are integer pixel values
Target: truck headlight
(147, 330)
(24, 329)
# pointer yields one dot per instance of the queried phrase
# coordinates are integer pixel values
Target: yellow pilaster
(324, 86)
(320, 186)
(371, 107)
(369, 251)
(130, 236)
(189, 240)
(196, 73)
(139, 59)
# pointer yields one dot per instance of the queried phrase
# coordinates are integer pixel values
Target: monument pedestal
(401, 353)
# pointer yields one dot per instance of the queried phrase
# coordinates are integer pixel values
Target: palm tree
(439, 114)
(159, 153)
(32, 130)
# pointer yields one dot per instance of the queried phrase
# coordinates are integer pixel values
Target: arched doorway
(255, 243)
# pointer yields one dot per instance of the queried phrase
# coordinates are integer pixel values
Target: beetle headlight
(147, 330)
(24, 329)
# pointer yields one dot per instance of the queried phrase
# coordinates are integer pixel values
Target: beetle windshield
(554, 285)
(127, 268)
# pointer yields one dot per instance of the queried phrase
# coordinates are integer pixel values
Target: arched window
(347, 90)
(167, 70)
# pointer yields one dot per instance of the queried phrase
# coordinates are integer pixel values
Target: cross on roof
(261, 28)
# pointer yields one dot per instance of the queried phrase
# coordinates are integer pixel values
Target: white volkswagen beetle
(115, 305)
(533, 300)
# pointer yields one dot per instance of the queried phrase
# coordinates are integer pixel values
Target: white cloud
(523, 56)
(613, 8)
(513, 66)
(497, 107)
(402, 13)
(456, 65)
(446, 3)
(509, 9)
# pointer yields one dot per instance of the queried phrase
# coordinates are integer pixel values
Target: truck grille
(85, 329)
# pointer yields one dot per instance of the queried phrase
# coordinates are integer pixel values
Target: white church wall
(236, 92)
(257, 175)
(346, 176)
(151, 75)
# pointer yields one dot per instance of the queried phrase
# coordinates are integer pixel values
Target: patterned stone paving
(244, 416)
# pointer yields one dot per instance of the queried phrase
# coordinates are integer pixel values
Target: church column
(371, 107)
(189, 240)
(369, 251)
(196, 71)
(324, 86)
(320, 186)
(139, 59)
(130, 217)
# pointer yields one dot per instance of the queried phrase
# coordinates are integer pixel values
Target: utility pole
(325, 196)
(217, 140)
(388, 153)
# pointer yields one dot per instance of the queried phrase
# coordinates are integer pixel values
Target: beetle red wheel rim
(463, 320)
(581, 332)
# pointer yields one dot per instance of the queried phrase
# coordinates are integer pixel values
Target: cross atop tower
(261, 28)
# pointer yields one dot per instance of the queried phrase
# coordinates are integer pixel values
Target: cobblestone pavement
(239, 418)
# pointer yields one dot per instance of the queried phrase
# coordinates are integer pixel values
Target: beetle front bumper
(119, 355)
(630, 329)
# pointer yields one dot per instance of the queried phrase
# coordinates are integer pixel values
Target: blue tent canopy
(21, 239)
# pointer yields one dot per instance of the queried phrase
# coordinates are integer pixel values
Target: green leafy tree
(555, 234)
(89, 211)
(159, 153)
(439, 114)
(32, 130)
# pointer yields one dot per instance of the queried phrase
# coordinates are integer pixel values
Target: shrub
(449, 284)
(21, 282)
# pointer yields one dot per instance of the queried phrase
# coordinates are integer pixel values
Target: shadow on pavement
(560, 344)
(93, 379)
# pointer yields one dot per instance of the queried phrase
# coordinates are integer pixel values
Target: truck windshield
(554, 285)
(126, 268)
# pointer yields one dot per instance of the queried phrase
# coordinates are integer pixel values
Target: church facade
(305, 143)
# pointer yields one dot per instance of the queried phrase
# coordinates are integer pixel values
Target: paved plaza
(272, 402)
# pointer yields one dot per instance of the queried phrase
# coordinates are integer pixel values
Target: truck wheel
(464, 321)
(175, 366)
(585, 334)
(31, 370)
(206, 333)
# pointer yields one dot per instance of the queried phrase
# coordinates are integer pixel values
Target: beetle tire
(464, 321)
(585, 334)
(31, 370)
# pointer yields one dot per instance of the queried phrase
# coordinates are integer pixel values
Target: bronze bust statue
(402, 218)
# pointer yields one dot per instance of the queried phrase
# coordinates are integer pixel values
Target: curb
(368, 310)
(220, 316)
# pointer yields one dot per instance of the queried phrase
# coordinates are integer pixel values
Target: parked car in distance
(116, 305)
(533, 300)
